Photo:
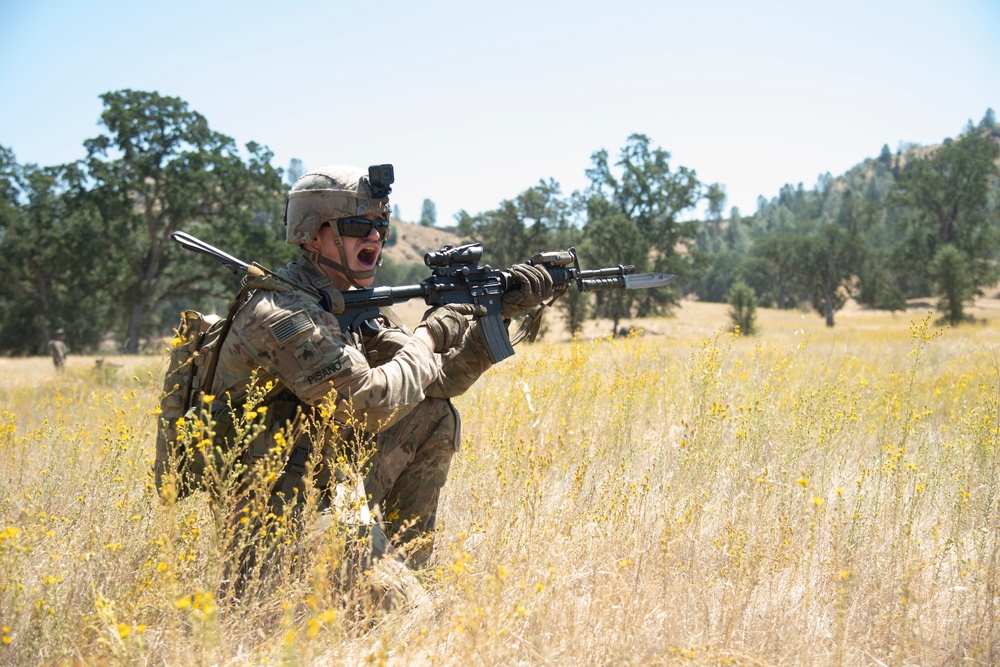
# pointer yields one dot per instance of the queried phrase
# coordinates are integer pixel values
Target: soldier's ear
(315, 245)
(312, 246)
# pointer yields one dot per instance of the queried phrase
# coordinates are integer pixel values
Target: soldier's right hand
(447, 325)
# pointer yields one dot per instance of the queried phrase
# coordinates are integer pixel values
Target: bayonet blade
(647, 280)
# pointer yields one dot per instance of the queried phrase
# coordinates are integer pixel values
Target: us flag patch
(287, 328)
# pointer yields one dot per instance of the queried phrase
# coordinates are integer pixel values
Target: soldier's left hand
(534, 286)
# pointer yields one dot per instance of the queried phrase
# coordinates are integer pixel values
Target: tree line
(86, 246)
(915, 223)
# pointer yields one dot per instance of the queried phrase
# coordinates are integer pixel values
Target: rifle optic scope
(470, 253)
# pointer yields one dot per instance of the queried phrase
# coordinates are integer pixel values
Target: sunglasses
(359, 228)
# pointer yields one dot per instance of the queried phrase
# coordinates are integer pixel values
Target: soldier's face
(362, 253)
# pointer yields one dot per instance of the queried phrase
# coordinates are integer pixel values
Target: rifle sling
(533, 320)
(241, 298)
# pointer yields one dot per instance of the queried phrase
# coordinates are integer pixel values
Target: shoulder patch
(291, 326)
(307, 352)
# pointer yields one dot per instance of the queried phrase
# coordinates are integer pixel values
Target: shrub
(743, 308)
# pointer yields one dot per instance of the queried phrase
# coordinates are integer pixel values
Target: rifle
(458, 278)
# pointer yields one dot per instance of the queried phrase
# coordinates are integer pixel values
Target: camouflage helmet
(327, 194)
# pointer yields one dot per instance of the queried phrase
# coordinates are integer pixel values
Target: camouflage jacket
(58, 350)
(284, 334)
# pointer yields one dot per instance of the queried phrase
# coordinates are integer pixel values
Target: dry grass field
(682, 496)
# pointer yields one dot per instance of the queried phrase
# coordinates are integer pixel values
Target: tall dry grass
(804, 497)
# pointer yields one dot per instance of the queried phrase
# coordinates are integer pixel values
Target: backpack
(196, 338)
(193, 358)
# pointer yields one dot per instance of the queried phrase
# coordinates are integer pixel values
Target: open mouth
(368, 257)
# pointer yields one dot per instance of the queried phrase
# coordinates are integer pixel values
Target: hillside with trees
(920, 222)
(86, 246)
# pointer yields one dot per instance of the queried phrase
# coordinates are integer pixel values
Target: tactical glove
(447, 325)
(534, 286)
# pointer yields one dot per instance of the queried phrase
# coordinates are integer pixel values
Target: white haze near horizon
(474, 103)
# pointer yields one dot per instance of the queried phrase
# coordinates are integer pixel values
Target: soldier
(396, 383)
(57, 348)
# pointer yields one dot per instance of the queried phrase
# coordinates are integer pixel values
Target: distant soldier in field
(395, 386)
(57, 348)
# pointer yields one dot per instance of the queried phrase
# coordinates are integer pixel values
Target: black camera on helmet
(381, 178)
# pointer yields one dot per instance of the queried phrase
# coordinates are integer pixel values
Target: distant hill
(412, 241)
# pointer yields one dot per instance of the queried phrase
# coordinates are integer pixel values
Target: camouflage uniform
(386, 381)
(387, 384)
(57, 348)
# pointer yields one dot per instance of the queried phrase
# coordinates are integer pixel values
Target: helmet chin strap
(352, 276)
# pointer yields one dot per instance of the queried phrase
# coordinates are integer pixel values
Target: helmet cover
(327, 194)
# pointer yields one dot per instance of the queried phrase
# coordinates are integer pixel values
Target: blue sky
(474, 102)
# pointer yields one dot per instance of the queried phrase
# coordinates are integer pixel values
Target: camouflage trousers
(372, 569)
(407, 470)
(403, 478)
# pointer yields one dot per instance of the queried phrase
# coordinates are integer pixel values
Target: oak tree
(157, 168)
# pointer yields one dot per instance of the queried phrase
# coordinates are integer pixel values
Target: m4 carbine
(457, 277)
